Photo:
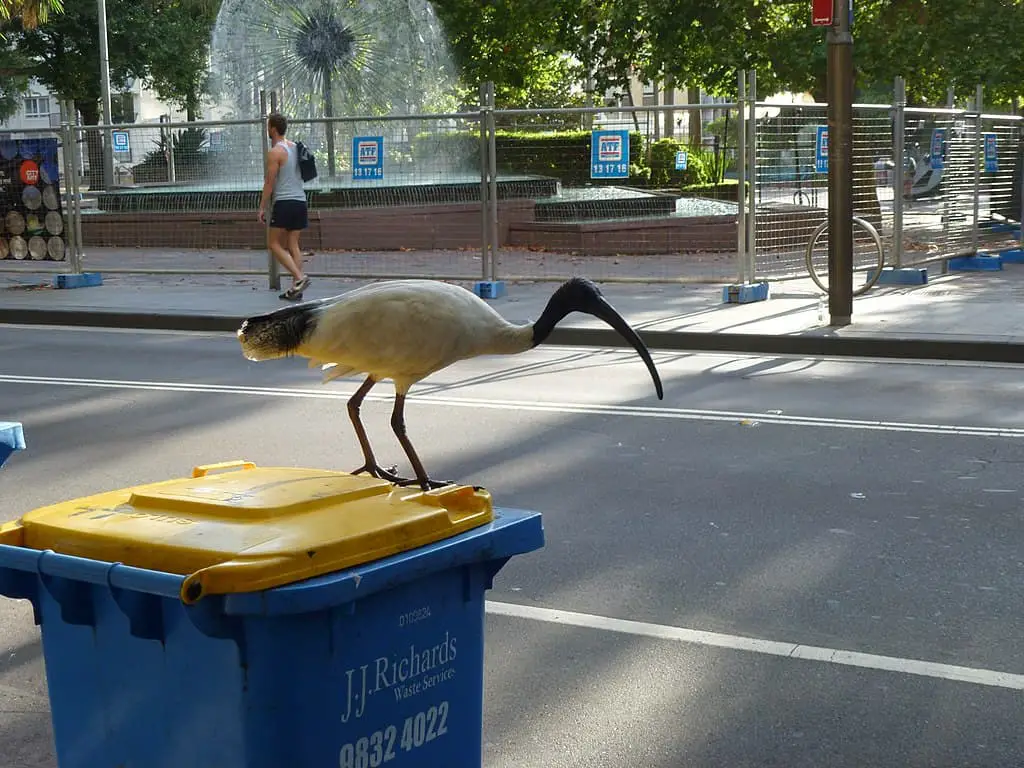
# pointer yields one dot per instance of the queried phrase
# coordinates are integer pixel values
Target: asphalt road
(837, 506)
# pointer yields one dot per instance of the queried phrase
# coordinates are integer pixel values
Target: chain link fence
(643, 193)
(35, 225)
(615, 200)
(938, 189)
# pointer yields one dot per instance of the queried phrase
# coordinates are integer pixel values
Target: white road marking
(932, 669)
(682, 414)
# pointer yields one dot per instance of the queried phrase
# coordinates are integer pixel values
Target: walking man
(288, 216)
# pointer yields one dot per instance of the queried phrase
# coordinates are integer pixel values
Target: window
(122, 107)
(37, 106)
(650, 95)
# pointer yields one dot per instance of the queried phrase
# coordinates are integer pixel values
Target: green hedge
(564, 155)
(723, 190)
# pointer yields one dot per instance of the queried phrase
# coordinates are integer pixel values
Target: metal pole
(76, 189)
(978, 148)
(108, 150)
(899, 138)
(1020, 164)
(273, 269)
(67, 137)
(741, 175)
(485, 107)
(172, 173)
(840, 165)
(492, 192)
(751, 221)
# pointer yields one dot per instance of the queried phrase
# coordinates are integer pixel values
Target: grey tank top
(288, 185)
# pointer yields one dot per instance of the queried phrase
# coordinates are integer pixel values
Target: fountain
(326, 59)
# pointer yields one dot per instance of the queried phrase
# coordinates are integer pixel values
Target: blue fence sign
(681, 160)
(367, 157)
(937, 155)
(609, 154)
(120, 141)
(821, 150)
(991, 156)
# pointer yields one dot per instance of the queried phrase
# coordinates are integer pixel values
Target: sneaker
(295, 292)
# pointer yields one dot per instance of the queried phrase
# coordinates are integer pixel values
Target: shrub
(564, 155)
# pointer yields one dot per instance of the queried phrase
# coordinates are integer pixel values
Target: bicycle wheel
(873, 267)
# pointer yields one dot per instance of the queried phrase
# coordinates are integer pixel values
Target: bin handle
(205, 469)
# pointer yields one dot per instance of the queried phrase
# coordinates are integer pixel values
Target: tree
(64, 55)
(32, 13)
(177, 62)
(13, 81)
(513, 44)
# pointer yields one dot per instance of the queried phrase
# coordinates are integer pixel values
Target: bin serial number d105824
(380, 747)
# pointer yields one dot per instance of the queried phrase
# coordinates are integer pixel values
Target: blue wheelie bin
(255, 617)
(12, 438)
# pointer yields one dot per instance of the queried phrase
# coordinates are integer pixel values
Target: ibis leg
(398, 425)
(371, 467)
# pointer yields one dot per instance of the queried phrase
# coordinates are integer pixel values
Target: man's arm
(274, 161)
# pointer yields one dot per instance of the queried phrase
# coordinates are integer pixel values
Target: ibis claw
(382, 474)
(427, 484)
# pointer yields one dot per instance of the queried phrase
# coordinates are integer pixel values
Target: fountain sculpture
(325, 58)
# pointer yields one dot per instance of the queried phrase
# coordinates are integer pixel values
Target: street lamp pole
(840, 164)
(108, 149)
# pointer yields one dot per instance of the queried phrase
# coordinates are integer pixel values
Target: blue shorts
(289, 215)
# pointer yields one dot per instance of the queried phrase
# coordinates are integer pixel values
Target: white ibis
(405, 330)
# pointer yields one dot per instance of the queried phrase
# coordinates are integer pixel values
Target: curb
(819, 343)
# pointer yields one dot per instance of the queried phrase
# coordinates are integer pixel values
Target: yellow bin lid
(253, 528)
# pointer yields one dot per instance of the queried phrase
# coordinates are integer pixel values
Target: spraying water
(331, 58)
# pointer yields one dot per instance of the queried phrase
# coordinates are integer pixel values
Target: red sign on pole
(822, 13)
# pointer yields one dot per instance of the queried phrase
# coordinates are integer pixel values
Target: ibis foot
(427, 484)
(382, 474)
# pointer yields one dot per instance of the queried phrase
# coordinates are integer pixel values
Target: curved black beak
(605, 311)
(581, 295)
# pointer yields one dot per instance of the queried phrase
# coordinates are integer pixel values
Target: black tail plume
(579, 294)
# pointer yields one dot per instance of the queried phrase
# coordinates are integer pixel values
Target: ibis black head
(581, 295)
(278, 333)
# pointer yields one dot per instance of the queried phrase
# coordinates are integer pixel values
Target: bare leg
(295, 253)
(371, 467)
(398, 425)
(284, 258)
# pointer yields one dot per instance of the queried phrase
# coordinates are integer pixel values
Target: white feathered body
(405, 330)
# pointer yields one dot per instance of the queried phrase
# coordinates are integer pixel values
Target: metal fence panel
(792, 186)
(999, 194)
(938, 187)
(34, 228)
(620, 194)
(396, 198)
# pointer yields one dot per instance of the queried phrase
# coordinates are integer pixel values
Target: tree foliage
(31, 13)
(177, 62)
(162, 42)
(511, 43)
(934, 44)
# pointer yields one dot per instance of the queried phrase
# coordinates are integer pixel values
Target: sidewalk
(963, 316)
